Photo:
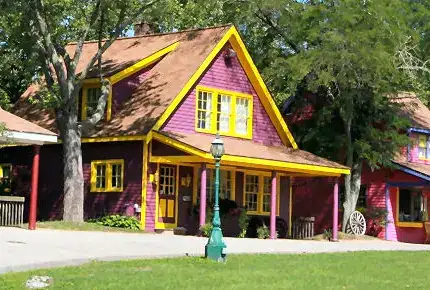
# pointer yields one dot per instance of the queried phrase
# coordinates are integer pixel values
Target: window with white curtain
(227, 112)
(204, 110)
(224, 113)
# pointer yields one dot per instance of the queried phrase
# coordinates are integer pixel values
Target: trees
(45, 27)
(345, 53)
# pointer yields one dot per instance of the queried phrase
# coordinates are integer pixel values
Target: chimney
(143, 28)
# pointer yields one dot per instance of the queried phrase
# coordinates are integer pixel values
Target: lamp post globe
(215, 247)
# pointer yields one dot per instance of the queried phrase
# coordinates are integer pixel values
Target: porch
(19, 131)
(254, 177)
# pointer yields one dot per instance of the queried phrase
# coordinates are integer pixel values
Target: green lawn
(85, 226)
(365, 270)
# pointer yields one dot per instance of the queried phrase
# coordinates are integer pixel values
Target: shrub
(376, 219)
(118, 221)
(243, 223)
(263, 232)
(206, 229)
(327, 234)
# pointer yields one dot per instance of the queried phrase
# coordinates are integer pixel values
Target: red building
(403, 191)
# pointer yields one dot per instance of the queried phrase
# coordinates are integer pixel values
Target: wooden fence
(11, 211)
(303, 228)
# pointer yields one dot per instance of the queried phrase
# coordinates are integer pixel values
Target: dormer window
(423, 147)
(90, 98)
(227, 112)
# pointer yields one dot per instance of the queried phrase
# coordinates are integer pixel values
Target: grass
(358, 270)
(85, 226)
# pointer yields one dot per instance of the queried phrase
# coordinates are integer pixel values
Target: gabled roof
(414, 110)
(171, 78)
(18, 130)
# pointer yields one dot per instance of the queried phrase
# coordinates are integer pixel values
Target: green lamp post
(215, 248)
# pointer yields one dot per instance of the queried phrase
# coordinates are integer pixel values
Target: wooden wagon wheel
(356, 224)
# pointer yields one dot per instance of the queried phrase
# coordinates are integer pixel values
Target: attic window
(90, 98)
(423, 147)
(226, 112)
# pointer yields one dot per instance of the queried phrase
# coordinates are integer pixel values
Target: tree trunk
(352, 191)
(73, 177)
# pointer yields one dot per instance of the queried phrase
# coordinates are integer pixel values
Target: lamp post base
(215, 248)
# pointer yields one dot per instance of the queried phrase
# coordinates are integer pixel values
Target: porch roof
(18, 130)
(416, 169)
(250, 154)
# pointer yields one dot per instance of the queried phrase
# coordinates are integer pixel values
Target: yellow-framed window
(90, 97)
(257, 193)
(226, 112)
(107, 175)
(167, 180)
(226, 186)
(5, 177)
(423, 147)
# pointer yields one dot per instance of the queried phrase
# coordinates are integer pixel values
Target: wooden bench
(11, 211)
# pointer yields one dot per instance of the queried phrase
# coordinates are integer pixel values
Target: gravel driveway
(22, 249)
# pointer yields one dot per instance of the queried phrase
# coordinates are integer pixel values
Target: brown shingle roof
(248, 148)
(148, 102)
(420, 168)
(15, 123)
(414, 110)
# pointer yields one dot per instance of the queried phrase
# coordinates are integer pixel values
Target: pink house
(403, 191)
(150, 156)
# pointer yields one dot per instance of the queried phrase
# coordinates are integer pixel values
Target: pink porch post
(335, 209)
(273, 208)
(203, 196)
(34, 186)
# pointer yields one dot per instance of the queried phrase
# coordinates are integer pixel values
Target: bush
(243, 223)
(376, 220)
(327, 234)
(118, 221)
(206, 230)
(263, 232)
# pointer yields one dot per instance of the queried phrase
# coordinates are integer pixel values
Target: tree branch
(119, 28)
(267, 20)
(49, 46)
(78, 51)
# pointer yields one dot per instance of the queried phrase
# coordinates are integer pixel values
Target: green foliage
(243, 223)
(377, 215)
(206, 229)
(118, 221)
(263, 232)
(327, 234)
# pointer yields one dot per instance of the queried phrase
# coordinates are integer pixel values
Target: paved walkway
(22, 249)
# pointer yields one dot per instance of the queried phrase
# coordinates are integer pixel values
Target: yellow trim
(108, 175)
(214, 111)
(195, 185)
(176, 159)
(404, 224)
(144, 185)
(175, 103)
(410, 224)
(92, 85)
(113, 139)
(232, 170)
(261, 89)
(232, 35)
(143, 63)
(260, 194)
(252, 162)
(95, 82)
(178, 145)
(290, 222)
(161, 225)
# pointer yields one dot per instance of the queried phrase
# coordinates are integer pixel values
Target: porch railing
(11, 211)
(303, 228)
